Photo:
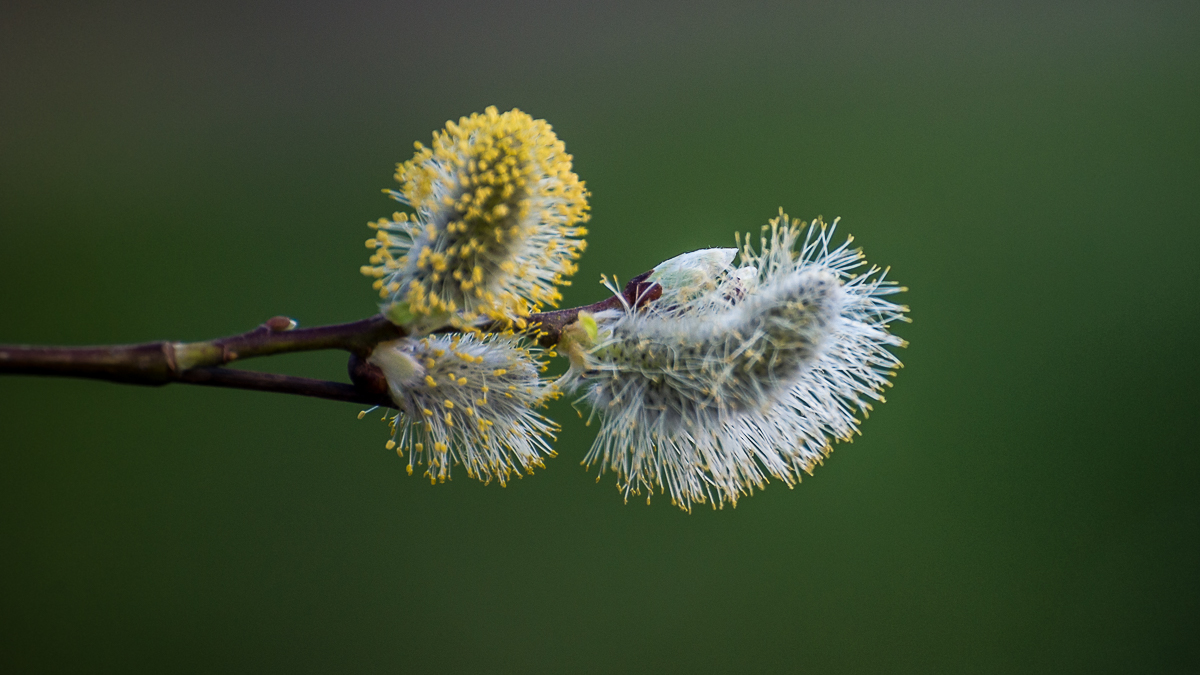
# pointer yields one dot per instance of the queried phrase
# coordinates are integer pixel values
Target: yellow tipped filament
(496, 180)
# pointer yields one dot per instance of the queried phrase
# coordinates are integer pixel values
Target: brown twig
(159, 363)
(284, 384)
(163, 362)
(636, 293)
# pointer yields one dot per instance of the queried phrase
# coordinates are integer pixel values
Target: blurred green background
(1025, 502)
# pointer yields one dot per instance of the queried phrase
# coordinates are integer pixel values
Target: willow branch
(548, 326)
(285, 384)
(164, 362)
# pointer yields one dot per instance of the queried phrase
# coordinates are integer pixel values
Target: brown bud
(279, 324)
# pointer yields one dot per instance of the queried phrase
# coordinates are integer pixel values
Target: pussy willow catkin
(498, 224)
(705, 396)
(467, 400)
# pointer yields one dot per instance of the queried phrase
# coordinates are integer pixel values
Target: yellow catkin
(489, 441)
(494, 199)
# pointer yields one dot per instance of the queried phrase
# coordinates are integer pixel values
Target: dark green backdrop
(1025, 502)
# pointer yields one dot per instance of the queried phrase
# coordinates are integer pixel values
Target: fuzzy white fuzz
(469, 400)
(706, 395)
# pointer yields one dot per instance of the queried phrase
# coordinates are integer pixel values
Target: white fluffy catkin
(467, 400)
(706, 396)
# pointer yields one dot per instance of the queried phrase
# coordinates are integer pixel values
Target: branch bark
(285, 384)
(159, 363)
(163, 362)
